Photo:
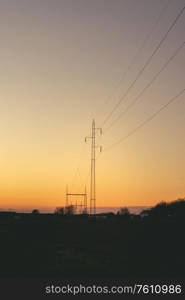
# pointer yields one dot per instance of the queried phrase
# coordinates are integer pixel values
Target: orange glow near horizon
(60, 62)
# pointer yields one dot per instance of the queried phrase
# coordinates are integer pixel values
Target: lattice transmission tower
(93, 166)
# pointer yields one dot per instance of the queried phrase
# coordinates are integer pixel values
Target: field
(49, 244)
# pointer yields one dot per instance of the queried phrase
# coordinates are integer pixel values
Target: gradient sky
(59, 65)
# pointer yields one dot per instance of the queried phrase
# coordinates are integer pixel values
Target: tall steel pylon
(93, 167)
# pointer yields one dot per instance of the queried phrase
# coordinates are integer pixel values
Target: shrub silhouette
(124, 212)
(174, 209)
(35, 211)
(70, 210)
(60, 211)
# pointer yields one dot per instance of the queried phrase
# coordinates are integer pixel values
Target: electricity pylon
(93, 167)
(82, 204)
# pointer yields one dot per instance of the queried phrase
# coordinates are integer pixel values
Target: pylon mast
(67, 203)
(93, 172)
(93, 168)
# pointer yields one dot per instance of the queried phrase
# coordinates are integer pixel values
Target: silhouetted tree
(60, 211)
(123, 211)
(70, 210)
(35, 211)
(163, 210)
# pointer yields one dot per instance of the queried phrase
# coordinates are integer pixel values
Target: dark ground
(52, 245)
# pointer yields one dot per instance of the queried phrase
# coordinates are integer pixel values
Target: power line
(147, 120)
(145, 65)
(136, 55)
(147, 86)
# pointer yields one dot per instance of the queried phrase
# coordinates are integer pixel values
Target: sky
(66, 62)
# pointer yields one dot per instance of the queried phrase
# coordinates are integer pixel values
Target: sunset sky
(61, 66)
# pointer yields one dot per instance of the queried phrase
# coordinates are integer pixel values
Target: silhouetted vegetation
(123, 211)
(60, 211)
(150, 244)
(35, 211)
(69, 210)
(164, 210)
